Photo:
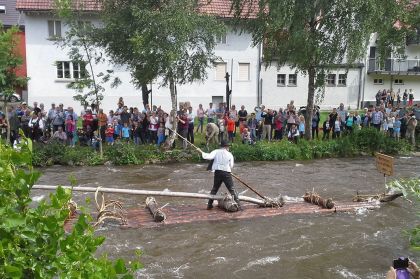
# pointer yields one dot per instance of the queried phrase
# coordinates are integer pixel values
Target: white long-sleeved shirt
(223, 159)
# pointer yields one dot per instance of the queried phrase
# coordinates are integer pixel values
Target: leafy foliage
(410, 188)
(365, 141)
(33, 241)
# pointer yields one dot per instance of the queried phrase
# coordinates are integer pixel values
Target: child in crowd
(337, 128)
(301, 125)
(385, 124)
(221, 124)
(246, 136)
(136, 133)
(350, 122)
(391, 120)
(109, 134)
(231, 128)
(161, 134)
(397, 128)
(125, 133)
(326, 129)
(293, 134)
(117, 130)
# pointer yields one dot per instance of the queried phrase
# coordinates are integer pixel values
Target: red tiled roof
(223, 8)
(48, 5)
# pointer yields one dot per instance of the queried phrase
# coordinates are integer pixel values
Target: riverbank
(363, 142)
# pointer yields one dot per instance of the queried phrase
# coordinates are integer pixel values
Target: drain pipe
(259, 80)
(361, 95)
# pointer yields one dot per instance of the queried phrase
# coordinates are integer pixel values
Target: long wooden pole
(148, 193)
(235, 176)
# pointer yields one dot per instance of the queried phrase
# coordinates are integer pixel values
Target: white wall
(44, 87)
(279, 96)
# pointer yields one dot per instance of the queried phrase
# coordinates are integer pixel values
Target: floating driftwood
(314, 198)
(381, 197)
(151, 193)
(155, 210)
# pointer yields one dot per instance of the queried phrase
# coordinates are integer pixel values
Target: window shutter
(50, 28)
(220, 71)
(58, 28)
(243, 71)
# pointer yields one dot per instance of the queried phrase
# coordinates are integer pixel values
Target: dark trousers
(314, 132)
(225, 177)
(102, 131)
(190, 134)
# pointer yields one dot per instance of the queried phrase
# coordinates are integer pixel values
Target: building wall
(279, 96)
(11, 17)
(46, 88)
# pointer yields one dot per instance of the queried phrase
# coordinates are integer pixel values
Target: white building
(50, 71)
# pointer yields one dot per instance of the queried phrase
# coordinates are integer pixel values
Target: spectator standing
(326, 128)
(377, 118)
(337, 128)
(411, 130)
(70, 130)
(183, 127)
(231, 129)
(58, 119)
(153, 127)
(410, 98)
(191, 116)
(252, 126)
(242, 116)
(315, 123)
(301, 125)
(200, 116)
(102, 123)
(405, 97)
(211, 114)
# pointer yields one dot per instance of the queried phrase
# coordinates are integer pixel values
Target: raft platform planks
(183, 214)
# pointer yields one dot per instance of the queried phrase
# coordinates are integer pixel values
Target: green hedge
(365, 141)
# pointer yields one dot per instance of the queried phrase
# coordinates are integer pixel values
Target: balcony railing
(394, 66)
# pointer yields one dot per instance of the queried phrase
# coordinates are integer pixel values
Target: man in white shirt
(222, 167)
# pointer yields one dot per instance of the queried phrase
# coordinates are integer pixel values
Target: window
(330, 80)
(342, 80)
(54, 28)
(378, 81)
(292, 80)
(2, 9)
(281, 80)
(220, 71)
(243, 71)
(398, 81)
(221, 39)
(70, 70)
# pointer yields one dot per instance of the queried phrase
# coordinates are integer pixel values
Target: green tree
(411, 189)
(83, 51)
(33, 241)
(165, 39)
(313, 35)
(10, 61)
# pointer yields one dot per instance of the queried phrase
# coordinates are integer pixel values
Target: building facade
(252, 82)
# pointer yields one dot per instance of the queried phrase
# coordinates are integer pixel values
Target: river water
(337, 245)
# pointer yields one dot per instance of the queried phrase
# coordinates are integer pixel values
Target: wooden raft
(183, 214)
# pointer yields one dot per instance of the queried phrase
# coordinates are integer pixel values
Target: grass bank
(363, 142)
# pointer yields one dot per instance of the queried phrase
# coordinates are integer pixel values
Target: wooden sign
(384, 164)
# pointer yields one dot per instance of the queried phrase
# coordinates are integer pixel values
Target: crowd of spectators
(152, 125)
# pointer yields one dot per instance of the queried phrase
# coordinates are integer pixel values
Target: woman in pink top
(200, 115)
(70, 129)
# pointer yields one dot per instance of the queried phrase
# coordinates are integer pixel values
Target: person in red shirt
(88, 119)
(231, 129)
(109, 134)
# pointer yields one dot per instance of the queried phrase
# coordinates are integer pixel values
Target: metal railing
(394, 65)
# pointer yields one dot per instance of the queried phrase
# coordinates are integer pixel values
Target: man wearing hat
(222, 167)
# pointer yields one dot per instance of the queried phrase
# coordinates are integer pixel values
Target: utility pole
(228, 91)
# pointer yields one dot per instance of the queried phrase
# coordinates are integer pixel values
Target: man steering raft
(222, 167)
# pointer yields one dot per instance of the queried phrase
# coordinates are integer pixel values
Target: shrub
(121, 154)
(33, 242)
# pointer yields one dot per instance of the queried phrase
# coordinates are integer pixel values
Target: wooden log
(314, 198)
(148, 193)
(380, 197)
(155, 210)
(388, 198)
(228, 204)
